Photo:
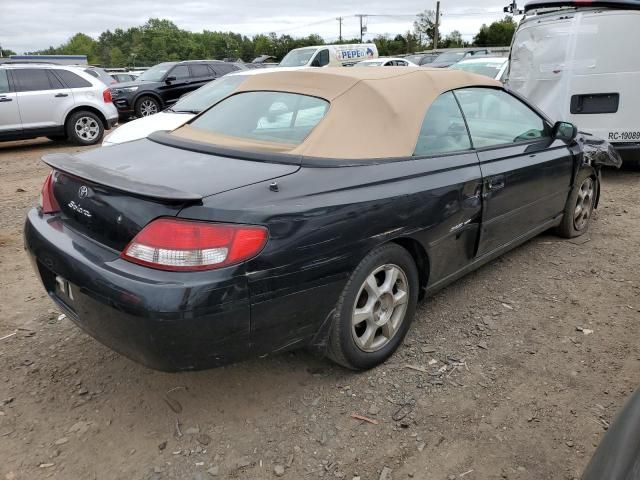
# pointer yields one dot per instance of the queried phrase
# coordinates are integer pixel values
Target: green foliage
(497, 34)
(6, 52)
(162, 40)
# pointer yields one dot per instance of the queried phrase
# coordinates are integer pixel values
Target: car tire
(385, 318)
(146, 106)
(84, 128)
(580, 205)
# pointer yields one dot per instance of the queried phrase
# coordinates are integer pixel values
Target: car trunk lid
(110, 194)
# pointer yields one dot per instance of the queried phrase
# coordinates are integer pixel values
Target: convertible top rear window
(278, 117)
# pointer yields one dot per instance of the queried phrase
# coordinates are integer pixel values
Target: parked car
(448, 58)
(618, 455)
(56, 101)
(561, 59)
(309, 208)
(123, 77)
(492, 67)
(329, 55)
(386, 62)
(101, 74)
(422, 59)
(184, 109)
(162, 85)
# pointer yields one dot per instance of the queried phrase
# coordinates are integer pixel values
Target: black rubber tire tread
(336, 350)
(139, 101)
(566, 229)
(71, 121)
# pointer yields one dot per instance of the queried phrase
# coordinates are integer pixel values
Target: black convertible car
(308, 208)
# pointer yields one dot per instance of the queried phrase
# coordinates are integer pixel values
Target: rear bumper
(165, 320)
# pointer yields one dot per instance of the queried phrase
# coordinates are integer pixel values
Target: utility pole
(436, 27)
(340, 28)
(362, 29)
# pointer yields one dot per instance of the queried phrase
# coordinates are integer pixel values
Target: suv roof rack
(558, 4)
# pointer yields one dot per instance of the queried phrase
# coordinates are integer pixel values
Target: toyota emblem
(83, 192)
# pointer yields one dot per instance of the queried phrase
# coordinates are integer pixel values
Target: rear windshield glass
(266, 116)
(210, 94)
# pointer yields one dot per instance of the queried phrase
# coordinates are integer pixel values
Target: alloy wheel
(584, 204)
(148, 107)
(380, 308)
(87, 128)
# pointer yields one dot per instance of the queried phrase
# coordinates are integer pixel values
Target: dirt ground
(512, 372)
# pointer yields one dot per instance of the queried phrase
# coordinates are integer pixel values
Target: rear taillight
(48, 203)
(106, 96)
(175, 244)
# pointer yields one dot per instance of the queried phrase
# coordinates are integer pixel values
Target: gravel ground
(512, 372)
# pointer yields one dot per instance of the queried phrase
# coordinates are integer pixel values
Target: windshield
(487, 69)
(450, 57)
(155, 74)
(208, 95)
(298, 58)
(265, 116)
(369, 64)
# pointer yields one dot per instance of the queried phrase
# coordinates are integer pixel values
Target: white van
(579, 62)
(329, 55)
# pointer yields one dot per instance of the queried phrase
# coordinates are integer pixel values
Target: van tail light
(106, 96)
(48, 203)
(178, 244)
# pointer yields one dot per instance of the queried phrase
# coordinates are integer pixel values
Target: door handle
(5, 99)
(59, 95)
(496, 183)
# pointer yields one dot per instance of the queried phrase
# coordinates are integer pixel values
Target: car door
(10, 122)
(42, 99)
(177, 83)
(452, 206)
(200, 75)
(526, 172)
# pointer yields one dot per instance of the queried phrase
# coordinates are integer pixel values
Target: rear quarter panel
(323, 221)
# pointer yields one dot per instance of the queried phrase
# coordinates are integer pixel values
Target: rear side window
(72, 80)
(32, 79)
(443, 129)
(496, 118)
(266, 116)
(4, 82)
(200, 70)
(93, 73)
(221, 69)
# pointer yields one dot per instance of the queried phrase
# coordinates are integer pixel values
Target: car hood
(135, 83)
(143, 127)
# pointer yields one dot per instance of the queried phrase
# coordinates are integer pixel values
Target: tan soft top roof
(375, 112)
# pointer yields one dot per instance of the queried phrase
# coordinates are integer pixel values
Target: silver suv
(56, 101)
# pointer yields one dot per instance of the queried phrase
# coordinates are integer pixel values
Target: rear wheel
(579, 207)
(146, 106)
(84, 128)
(375, 309)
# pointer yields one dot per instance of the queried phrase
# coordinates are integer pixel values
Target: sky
(29, 25)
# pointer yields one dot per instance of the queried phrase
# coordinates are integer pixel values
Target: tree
(497, 34)
(425, 26)
(453, 40)
(5, 52)
(117, 58)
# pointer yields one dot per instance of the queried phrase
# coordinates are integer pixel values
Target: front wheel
(579, 207)
(375, 309)
(146, 106)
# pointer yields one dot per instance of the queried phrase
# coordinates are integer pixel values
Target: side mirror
(169, 79)
(564, 131)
